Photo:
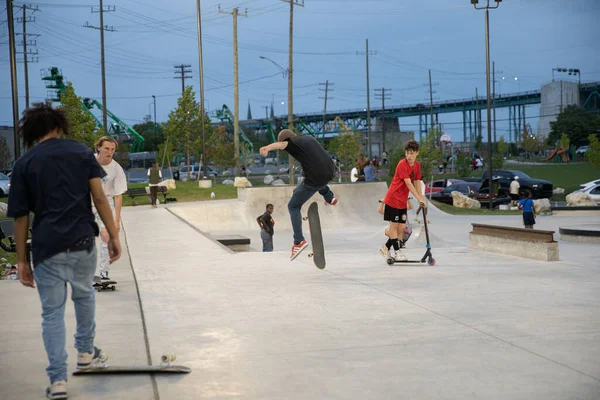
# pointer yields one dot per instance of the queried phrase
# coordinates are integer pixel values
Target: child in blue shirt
(526, 206)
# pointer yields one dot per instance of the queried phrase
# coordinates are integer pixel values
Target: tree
(152, 138)
(430, 155)
(463, 165)
(530, 142)
(575, 122)
(82, 126)
(220, 149)
(565, 142)
(593, 152)
(5, 155)
(347, 148)
(498, 157)
(184, 126)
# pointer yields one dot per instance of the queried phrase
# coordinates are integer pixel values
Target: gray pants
(267, 240)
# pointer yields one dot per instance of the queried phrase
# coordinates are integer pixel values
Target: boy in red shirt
(406, 179)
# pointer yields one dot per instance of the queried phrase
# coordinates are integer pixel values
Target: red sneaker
(333, 202)
(297, 248)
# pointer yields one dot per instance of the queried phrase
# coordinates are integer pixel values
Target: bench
(234, 242)
(144, 191)
(7, 236)
(527, 243)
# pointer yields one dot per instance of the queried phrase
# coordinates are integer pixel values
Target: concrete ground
(257, 326)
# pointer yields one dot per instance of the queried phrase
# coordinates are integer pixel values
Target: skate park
(255, 325)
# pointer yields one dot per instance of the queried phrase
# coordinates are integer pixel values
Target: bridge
(471, 109)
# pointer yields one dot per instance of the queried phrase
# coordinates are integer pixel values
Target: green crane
(226, 114)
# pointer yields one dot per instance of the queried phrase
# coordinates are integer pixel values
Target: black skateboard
(316, 236)
(165, 367)
(427, 256)
(101, 285)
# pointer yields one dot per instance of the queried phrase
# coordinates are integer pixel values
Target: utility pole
(326, 90)
(431, 99)
(494, 97)
(383, 94)
(291, 77)
(102, 28)
(266, 112)
(154, 98)
(366, 54)
(201, 70)
(181, 72)
(24, 20)
(236, 100)
(13, 76)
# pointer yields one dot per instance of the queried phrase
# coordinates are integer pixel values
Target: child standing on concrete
(406, 179)
(266, 224)
(526, 206)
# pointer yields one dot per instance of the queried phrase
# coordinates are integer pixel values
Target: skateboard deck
(135, 369)
(316, 236)
(101, 285)
(165, 367)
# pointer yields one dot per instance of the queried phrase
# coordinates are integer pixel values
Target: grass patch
(472, 211)
(186, 192)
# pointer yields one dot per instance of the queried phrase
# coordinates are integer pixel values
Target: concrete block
(204, 183)
(514, 247)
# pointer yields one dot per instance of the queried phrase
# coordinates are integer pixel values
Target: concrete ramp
(357, 207)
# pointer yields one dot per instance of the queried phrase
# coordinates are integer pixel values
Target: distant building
(555, 97)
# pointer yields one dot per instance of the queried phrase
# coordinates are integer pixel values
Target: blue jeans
(302, 194)
(267, 240)
(51, 277)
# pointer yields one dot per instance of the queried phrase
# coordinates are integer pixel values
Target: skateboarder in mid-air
(318, 169)
(407, 179)
(54, 180)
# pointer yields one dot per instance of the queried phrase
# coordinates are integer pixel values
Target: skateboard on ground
(316, 236)
(165, 367)
(427, 256)
(101, 285)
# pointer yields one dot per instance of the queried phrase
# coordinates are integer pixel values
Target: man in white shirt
(114, 185)
(514, 190)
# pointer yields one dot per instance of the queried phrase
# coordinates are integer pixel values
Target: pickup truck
(539, 188)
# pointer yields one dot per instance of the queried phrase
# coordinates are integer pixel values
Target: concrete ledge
(580, 234)
(519, 247)
(234, 242)
(579, 211)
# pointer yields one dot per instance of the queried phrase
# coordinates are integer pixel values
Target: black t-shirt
(52, 181)
(268, 221)
(318, 167)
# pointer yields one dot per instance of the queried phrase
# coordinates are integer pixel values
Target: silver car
(4, 185)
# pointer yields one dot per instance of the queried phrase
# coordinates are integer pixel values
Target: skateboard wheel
(390, 261)
(431, 261)
(167, 357)
(112, 288)
(310, 255)
(304, 218)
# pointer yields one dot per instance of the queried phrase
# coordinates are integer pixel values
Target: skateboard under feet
(316, 236)
(101, 285)
(165, 367)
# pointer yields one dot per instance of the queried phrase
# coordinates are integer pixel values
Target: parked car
(592, 191)
(539, 188)
(472, 190)
(4, 185)
(194, 169)
(589, 184)
(581, 151)
(439, 185)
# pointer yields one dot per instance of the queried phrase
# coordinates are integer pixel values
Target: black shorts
(514, 197)
(394, 215)
(528, 219)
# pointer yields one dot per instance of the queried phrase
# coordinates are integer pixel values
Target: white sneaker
(385, 252)
(87, 360)
(57, 391)
(398, 256)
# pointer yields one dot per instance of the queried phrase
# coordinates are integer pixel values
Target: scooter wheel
(390, 261)
(431, 261)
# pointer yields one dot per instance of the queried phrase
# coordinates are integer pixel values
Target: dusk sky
(528, 39)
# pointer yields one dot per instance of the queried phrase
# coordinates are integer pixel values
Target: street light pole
(201, 70)
(487, 79)
(154, 98)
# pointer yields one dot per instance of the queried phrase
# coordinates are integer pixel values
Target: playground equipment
(53, 78)
(560, 154)
(225, 114)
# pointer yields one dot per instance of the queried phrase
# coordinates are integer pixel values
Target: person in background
(154, 178)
